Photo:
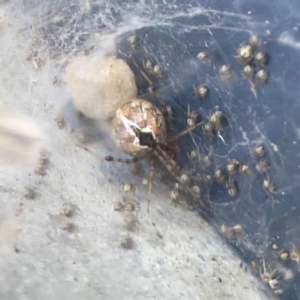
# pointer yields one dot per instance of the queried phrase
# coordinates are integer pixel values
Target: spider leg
(150, 178)
(168, 161)
(165, 111)
(90, 151)
(123, 160)
(174, 169)
(111, 158)
(184, 132)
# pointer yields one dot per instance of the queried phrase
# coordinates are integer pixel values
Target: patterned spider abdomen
(137, 126)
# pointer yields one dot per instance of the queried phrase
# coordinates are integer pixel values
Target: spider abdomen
(137, 126)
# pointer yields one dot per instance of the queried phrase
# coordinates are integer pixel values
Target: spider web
(172, 34)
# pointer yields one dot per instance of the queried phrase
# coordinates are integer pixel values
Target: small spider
(260, 58)
(70, 210)
(248, 72)
(244, 54)
(295, 255)
(217, 119)
(220, 177)
(194, 156)
(61, 123)
(128, 188)
(191, 117)
(205, 161)
(269, 186)
(232, 233)
(232, 166)
(43, 166)
(129, 206)
(210, 130)
(245, 169)
(196, 190)
(262, 166)
(203, 179)
(134, 42)
(30, 193)
(259, 151)
(262, 76)
(232, 187)
(174, 195)
(131, 221)
(70, 227)
(128, 243)
(271, 278)
(225, 73)
(153, 69)
(204, 57)
(255, 41)
(201, 91)
(283, 255)
(157, 71)
(149, 65)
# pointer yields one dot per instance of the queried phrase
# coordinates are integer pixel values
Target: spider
(140, 130)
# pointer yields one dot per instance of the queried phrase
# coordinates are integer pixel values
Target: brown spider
(140, 130)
